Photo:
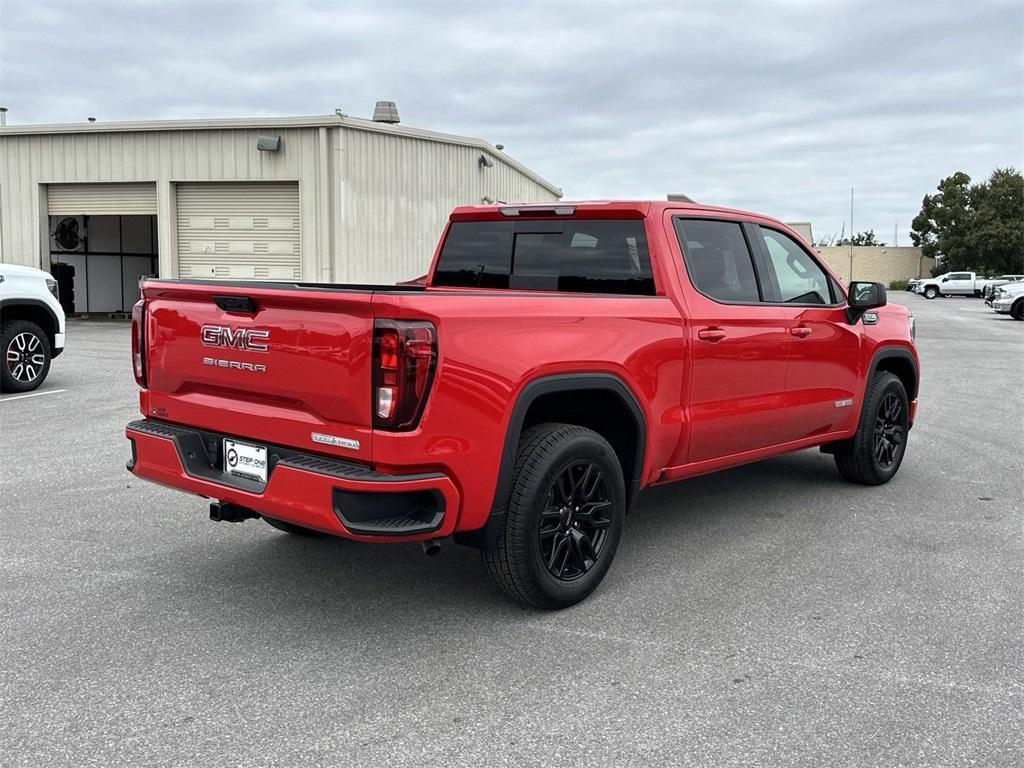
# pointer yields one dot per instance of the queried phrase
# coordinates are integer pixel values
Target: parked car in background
(1009, 300)
(912, 284)
(556, 360)
(31, 327)
(996, 282)
(952, 284)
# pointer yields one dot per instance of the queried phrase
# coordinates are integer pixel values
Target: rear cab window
(572, 255)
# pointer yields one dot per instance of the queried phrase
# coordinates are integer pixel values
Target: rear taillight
(139, 342)
(404, 357)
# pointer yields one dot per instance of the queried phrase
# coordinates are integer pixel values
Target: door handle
(714, 335)
(801, 331)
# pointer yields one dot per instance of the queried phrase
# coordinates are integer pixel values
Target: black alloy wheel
(563, 520)
(574, 524)
(890, 434)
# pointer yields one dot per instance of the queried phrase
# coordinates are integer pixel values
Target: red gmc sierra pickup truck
(556, 359)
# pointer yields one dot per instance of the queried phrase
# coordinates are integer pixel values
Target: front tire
(1017, 311)
(876, 451)
(565, 517)
(931, 292)
(26, 356)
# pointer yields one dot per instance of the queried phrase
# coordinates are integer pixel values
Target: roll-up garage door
(101, 199)
(239, 230)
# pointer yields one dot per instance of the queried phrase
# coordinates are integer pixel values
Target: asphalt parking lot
(769, 615)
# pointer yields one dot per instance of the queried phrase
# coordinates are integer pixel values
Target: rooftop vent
(385, 112)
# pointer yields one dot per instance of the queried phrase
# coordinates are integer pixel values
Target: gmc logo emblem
(250, 339)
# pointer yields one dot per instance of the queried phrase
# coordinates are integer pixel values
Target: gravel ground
(769, 615)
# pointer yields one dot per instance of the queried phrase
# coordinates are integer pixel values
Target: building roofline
(312, 121)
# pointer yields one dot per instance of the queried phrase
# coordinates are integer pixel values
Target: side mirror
(863, 296)
(945, 280)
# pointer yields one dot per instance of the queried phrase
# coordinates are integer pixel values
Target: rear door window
(578, 255)
(718, 260)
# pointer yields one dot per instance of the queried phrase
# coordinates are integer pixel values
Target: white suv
(31, 327)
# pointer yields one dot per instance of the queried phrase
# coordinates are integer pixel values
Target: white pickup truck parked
(952, 284)
(31, 327)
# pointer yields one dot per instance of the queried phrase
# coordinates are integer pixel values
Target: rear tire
(26, 356)
(295, 530)
(874, 455)
(565, 517)
(931, 292)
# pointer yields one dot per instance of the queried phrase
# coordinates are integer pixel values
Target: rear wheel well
(33, 313)
(597, 401)
(903, 369)
(601, 410)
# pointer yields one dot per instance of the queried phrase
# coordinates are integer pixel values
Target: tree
(997, 235)
(977, 227)
(861, 238)
(940, 229)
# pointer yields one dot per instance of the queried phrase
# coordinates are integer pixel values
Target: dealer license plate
(245, 460)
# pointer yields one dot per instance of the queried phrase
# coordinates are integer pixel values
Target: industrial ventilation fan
(67, 234)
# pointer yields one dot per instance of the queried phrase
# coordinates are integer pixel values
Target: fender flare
(34, 303)
(486, 537)
(891, 352)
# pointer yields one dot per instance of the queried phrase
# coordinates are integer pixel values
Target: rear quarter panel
(490, 346)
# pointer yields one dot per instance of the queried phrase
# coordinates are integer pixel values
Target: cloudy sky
(780, 108)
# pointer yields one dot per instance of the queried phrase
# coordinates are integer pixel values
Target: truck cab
(952, 284)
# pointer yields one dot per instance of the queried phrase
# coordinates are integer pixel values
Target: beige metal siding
(100, 199)
(394, 193)
(30, 163)
(246, 230)
(373, 201)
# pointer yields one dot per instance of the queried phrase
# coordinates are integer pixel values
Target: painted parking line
(33, 394)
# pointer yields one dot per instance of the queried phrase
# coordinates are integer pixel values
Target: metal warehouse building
(318, 199)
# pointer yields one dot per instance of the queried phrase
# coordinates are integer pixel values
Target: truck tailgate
(280, 365)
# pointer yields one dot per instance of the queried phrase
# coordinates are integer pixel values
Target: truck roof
(596, 209)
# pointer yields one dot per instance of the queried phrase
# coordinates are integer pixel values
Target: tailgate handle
(240, 304)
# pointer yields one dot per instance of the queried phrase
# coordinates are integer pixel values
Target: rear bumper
(310, 490)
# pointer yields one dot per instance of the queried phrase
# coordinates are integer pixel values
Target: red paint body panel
(707, 402)
(300, 497)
